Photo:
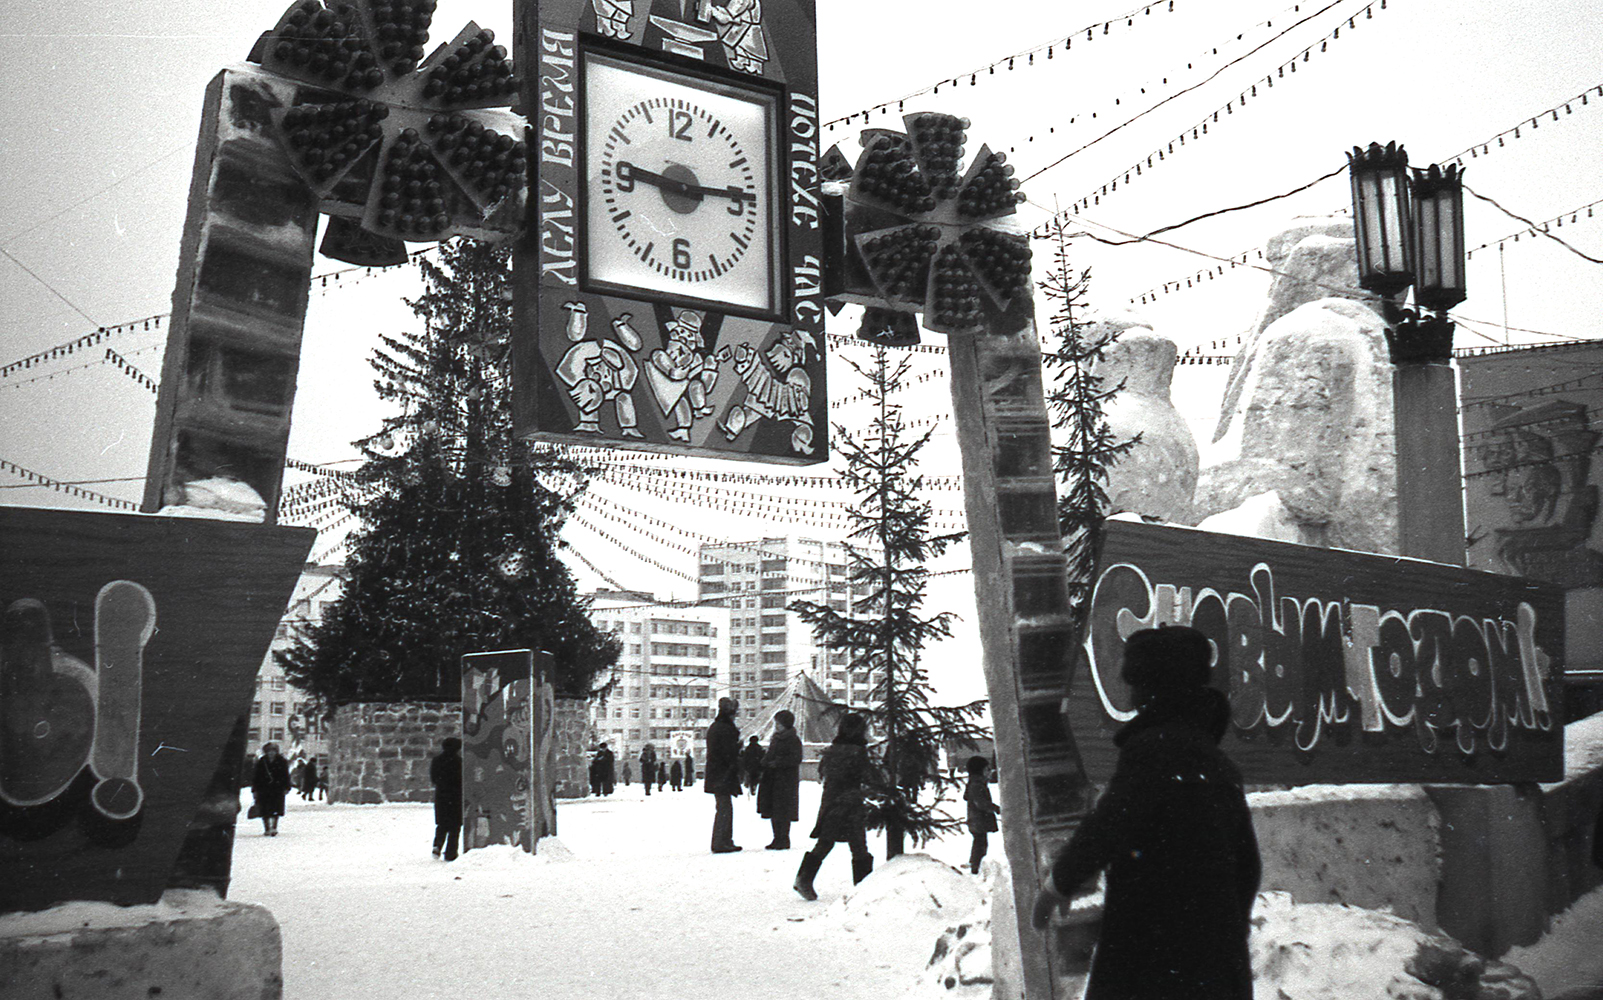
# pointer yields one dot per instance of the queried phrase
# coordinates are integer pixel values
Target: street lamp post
(1410, 233)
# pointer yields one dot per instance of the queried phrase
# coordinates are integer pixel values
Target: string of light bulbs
(1161, 154)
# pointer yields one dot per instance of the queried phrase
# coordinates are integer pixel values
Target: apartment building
(673, 668)
(281, 713)
(769, 645)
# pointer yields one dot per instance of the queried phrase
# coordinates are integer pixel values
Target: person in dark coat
(309, 780)
(690, 770)
(676, 775)
(845, 766)
(723, 774)
(445, 770)
(982, 811)
(1175, 836)
(751, 764)
(595, 772)
(662, 775)
(609, 772)
(648, 766)
(628, 775)
(269, 784)
(777, 794)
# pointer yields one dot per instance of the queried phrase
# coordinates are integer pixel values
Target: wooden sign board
(1341, 667)
(129, 649)
(669, 285)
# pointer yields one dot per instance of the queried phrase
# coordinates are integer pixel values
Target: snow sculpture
(1158, 477)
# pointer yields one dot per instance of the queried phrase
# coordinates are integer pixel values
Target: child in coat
(982, 811)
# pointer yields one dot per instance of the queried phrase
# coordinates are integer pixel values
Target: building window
(774, 656)
(773, 565)
(278, 708)
(256, 707)
(773, 600)
(773, 621)
(278, 683)
(253, 734)
(275, 733)
(634, 713)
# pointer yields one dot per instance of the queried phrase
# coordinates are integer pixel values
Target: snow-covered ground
(631, 905)
(628, 902)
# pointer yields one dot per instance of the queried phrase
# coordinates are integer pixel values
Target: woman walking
(268, 785)
(982, 811)
(841, 817)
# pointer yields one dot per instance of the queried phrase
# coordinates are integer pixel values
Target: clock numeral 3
(679, 125)
(681, 253)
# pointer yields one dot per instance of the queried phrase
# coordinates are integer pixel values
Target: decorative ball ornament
(502, 476)
(418, 147)
(921, 234)
(512, 565)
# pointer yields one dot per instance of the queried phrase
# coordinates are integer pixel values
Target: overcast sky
(101, 103)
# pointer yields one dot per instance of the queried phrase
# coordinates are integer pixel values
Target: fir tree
(884, 633)
(1088, 447)
(458, 549)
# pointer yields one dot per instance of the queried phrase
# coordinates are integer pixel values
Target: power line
(1535, 227)
(1182, 92)
(48, 286)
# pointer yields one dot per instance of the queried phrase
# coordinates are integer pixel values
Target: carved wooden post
(913, 234)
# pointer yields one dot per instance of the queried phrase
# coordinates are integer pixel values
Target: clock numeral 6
(681, 253)
(679, 125)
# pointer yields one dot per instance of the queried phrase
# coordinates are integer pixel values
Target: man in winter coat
(777, 795)
(751, 764)
(1174, 834)
(445, 770)
(648, 767)
(845, 766)
(676, 775)
(690, 770)
(723, 774)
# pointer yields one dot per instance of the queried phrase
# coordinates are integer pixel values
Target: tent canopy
(808, 702)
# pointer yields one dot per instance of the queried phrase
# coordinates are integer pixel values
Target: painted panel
(128, 654)
(498, 727)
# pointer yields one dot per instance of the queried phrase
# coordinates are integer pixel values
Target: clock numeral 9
(625, 173)
(681, 253)
(679, 125)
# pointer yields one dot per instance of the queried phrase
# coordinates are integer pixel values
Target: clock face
(680, 187)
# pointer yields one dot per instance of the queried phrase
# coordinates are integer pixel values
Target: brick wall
(574, 735)
(380, 751)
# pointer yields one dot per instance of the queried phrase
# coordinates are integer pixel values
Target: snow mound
(67, 917)
(1567, 958)
(909, 889)
(1329, 951)
(499, 857)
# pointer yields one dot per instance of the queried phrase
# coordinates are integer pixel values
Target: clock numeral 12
(679, 125)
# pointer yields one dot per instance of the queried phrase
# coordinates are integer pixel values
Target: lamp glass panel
(1451, 251)
(1429, 247)
(1392, 235)
(1370, 226)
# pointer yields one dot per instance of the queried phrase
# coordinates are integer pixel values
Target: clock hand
(630, 172)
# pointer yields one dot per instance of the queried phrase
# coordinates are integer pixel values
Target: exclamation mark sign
(125, 619)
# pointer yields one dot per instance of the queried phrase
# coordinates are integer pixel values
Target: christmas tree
(885, 633)
(457, 552)
(1076, 403)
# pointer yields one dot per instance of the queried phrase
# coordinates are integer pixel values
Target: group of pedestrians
(654, 772)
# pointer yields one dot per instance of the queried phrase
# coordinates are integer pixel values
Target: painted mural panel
(1533, 462)
(129, 647)
(669, 287)
(1340, 666)
(498, 727)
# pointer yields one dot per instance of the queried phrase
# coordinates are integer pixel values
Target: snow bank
(1568, 956)
(1324, 951)
(499, 857)
(68, 917)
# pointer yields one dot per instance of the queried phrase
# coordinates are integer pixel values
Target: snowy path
(640, 909)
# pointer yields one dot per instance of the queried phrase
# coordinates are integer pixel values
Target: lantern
(1438, 237)
(1381, 217)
